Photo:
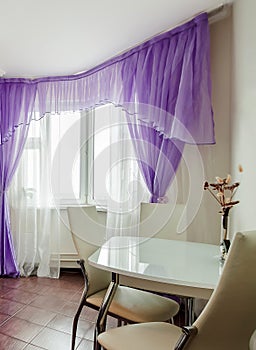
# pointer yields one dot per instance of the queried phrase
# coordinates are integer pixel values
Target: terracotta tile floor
(36, 313)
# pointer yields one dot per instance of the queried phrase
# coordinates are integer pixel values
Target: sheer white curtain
(125, 186)
(34, 218)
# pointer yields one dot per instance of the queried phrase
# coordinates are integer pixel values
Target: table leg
(102, 315)
(189, 311)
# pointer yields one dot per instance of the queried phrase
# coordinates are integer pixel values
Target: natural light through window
(75, 156)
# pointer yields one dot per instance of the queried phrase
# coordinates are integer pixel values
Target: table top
(193, 267)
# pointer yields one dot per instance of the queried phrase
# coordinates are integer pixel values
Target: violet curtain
(16, 104)
(164, 82)
(158, 159)
(169, 74)
(168, 78)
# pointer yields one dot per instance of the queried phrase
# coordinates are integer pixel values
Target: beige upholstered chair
(253, 341)
(161, 221)
(227, 322)
(130, 305)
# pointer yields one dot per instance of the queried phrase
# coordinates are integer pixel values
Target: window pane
(114, 161)
(101, 161)
(65, 139)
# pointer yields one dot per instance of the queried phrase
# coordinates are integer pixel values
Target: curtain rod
(212, 15)
(216, 11)
(219, 13)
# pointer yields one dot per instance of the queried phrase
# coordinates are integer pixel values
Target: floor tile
(60, 293)
(69, 309)
(54, 304)
(61, 323)
(35, 286)
(8, 343)
(111, 322)
(85, 345)
(89, 314)
(3, 318)
(10, 307)
(20, 296)
(20, 329)
(11, 282)
(85, 329)
(76, 297)
(51, 339)
(35, 315)
(33, 347)
(4, 290)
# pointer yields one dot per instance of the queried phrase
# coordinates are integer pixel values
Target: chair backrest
(161, 220)
(229, 318)
(253, 341)
(88, 232)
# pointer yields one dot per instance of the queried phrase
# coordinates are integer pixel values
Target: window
(65, 136)
(79, 149)
(101, 154)
(114, 165)
(53, 149)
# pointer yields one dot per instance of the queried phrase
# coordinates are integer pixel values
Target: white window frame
(85, 192)
(87, 167)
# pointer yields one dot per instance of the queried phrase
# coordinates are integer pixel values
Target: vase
(224, 237)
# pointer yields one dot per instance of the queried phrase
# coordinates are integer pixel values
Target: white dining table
(183, 268)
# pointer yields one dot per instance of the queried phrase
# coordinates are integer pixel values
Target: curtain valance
(164, 82)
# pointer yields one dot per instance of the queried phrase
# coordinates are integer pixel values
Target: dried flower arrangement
(222, 187)
(223, 191)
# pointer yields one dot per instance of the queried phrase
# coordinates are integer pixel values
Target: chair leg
(187, 334)
(101, 320)
(96, 344)
(189, 310)
(81, 305)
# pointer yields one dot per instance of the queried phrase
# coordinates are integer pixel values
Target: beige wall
(243, 111)
(220, 36)
(233, 68)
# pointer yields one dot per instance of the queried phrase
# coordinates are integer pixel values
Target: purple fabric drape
(169, 72)
(16, 103)
(158, 159)
(164, 82)
(170, 78)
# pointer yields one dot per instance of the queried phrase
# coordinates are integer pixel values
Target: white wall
(243, 111)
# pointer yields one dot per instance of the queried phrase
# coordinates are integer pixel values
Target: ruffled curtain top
(164, 82)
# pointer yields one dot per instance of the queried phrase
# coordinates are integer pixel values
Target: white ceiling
(62, 37)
